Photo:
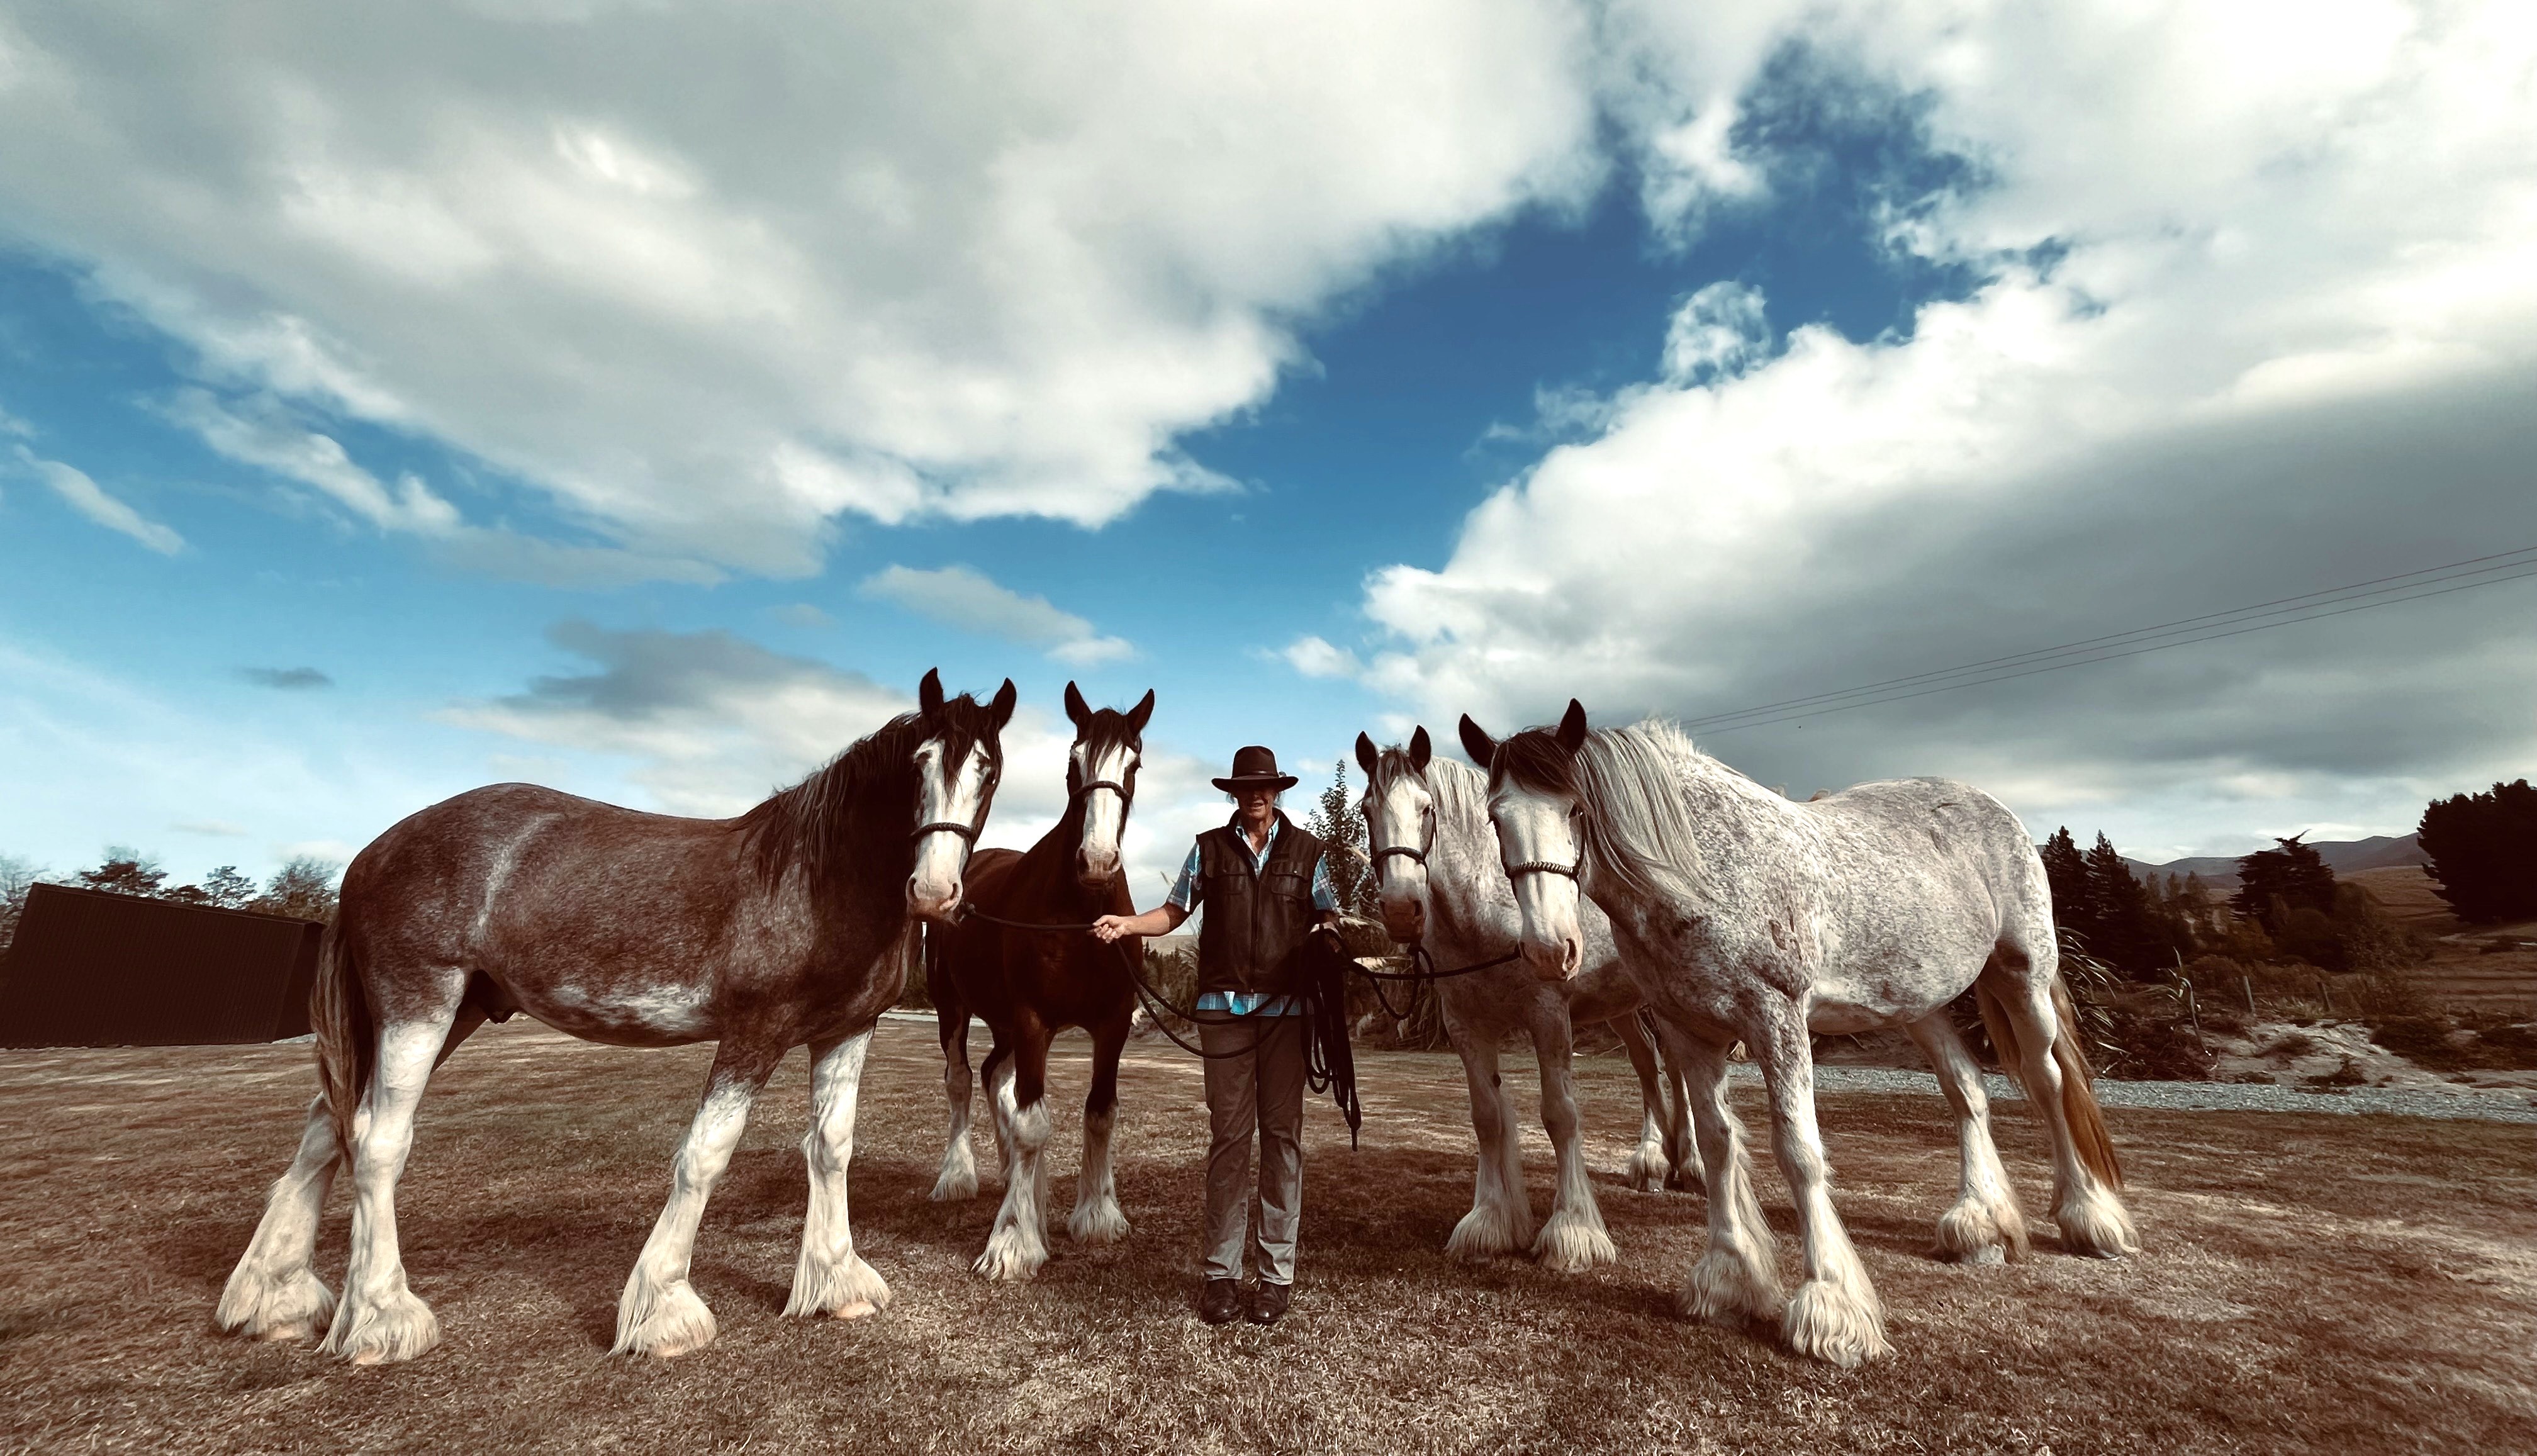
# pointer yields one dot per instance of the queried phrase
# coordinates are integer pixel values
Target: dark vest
(1256, 923)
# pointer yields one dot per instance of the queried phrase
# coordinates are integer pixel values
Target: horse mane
(1638, 826)
(863, 795)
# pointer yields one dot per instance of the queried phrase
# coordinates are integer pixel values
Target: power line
(2359, 596)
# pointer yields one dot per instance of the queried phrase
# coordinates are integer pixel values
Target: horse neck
(1046, 872)
(1467, 899)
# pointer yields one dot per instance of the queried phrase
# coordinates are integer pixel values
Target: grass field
(2311, 1282)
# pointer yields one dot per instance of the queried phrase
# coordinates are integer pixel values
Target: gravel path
(2229, 1096)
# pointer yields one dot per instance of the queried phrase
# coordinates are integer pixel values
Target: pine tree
(2483, 849)
(125, 872)
(304, 888)
(1342, 830)
(2127, 932)
(2074, 905)
(2273, 884)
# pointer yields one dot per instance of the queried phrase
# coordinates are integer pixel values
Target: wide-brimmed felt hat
(1254, 766)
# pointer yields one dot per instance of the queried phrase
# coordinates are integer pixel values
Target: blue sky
(573, 409)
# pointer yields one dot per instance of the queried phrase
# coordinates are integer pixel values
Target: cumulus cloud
(1316, 658)
(286, 678)
(89, 500)
(973, 602)
(2248, 314)
(713, 279)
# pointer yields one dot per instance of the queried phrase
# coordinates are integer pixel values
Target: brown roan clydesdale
(1029, 985)
(783, 927)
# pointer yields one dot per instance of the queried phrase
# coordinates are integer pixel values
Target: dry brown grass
(2318, 1283)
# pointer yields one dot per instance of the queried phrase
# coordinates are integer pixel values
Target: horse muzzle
(936, 903)
(1556, 959)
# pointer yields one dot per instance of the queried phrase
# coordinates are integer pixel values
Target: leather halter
(1547, 867)
(1103, 783)
(969, 832)
(1414, 856)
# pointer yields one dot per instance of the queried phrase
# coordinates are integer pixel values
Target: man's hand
(1110, 928)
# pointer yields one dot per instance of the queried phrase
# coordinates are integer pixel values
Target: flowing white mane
(1462, 796)
(1638, 824)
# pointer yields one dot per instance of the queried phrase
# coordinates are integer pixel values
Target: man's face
(1257, 802)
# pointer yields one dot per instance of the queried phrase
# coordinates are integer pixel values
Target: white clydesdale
(1436, 870)
(1749, 917)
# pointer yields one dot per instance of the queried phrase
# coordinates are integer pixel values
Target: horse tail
(2093, 1143)
(2078, 1097)
(339, 1012)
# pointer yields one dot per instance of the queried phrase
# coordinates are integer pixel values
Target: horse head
(1400, 809)
(1101, 773)
(958, 757)
(1537, 803)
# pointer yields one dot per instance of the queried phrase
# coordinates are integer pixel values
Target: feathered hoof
(1726, 1288)
(663, 1322)
(2094, 1225)
(1485, 1232)
(1573, 1242)
(1097, 1223)
(291, 1305)
(396, 1328)
(1014, 1254)
(1973, 1233)
(1648, 1171)
(847, 1289)
(955, 1185)
(1835, 1324)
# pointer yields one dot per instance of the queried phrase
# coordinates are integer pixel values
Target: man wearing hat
(1266, 889)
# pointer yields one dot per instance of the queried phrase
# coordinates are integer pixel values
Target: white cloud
(973, 602)
(217, 829)
(2252, 316)
(714, 278)
(314, 460)
(1316, 658)
(87, 497)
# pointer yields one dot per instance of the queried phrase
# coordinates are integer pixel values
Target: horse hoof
(397, 1328)
(665, 1322)
(1570, 1244)
(1835, 1324)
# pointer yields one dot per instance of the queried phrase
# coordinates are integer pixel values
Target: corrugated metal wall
(96, 969)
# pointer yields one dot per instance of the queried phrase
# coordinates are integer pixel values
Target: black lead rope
(1328, 1064)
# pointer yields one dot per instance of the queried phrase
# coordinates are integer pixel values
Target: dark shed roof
(90, 968)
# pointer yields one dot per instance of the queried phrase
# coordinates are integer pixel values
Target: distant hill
(2343, 856)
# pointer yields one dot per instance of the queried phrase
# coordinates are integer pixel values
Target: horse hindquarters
(2033, 1027)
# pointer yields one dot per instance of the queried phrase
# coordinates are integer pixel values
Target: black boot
(1221, 1300)
(1269, 1303)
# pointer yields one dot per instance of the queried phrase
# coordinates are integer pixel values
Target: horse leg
(1835, 1316)
(1680, 1144)
(830, 1277)
(274, 1292)
(379, 1319)
(1737, 1276)
(659, 1313)
(1985, 1227)
(1018, 1245)
(958, 1180)
(1501, 1217)
(1573, 1238)
(1097, 1218)
(2054, 1073)
(1650, 1162)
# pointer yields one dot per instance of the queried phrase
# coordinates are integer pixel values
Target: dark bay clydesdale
(1029, 985)
(786, 926)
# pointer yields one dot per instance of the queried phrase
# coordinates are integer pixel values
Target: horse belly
(637, 1014)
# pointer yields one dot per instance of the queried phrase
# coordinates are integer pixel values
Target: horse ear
(1572, 728)
(928, 693)
(1420, 750)
(1477, 743)
(1076, 710)
(1003, 706)
(1365, 756)
(1142, 712)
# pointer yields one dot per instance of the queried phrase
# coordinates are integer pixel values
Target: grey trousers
(1265, 1089)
